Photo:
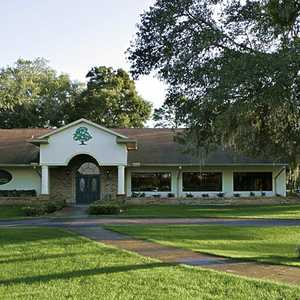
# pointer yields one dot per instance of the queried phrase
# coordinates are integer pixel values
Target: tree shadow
(81, 273)
(45, 257)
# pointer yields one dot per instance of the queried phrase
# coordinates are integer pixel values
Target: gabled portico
(64, 149)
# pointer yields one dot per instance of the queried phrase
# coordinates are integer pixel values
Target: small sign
(82, 135)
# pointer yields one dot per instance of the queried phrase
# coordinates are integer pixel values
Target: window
(202, 182)
(154, 182)
(89, 168)
(5, 177)
(252, 181)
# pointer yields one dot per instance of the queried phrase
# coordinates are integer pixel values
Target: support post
(45, 180)
(121, 180)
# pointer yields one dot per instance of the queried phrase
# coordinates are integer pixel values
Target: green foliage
(33, 95)
(42, 209)
(111, 100)
(100, 208)
(232, 68)
(81, 134)
(34, 210)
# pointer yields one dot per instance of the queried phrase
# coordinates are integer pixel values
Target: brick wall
(63, 185)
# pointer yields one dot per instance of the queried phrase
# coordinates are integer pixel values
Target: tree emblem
(82, 135)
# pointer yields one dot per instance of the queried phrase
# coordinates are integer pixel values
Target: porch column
(121, 180)
(45, 180)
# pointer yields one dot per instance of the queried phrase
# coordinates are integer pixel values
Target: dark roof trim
(37, 141)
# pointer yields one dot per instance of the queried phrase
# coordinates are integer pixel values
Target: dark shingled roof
(15, 150)
(155, 146)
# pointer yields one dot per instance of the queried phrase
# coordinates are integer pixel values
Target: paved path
(168, 254)
(88, 222)
(92, 229)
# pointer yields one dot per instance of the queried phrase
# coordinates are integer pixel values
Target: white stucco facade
(23, 178)
(103, 146)
(109, 150)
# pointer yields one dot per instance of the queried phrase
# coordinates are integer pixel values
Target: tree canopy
(33, 95)
(111, 100)
(232, 68)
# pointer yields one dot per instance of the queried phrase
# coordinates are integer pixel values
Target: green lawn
(11, 211)
(48, 263)
(265, 244)
(218, 211)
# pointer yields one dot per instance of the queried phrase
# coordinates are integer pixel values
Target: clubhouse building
(83, 162)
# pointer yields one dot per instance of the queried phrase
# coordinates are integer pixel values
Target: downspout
(178, 176)
(275, 178)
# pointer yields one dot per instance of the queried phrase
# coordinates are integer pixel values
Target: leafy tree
(236, 63)
(33, 95)
(111, 100)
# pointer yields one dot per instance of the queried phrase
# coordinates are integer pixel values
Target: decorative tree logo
(82, 135)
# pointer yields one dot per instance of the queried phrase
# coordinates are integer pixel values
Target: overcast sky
(74, 35)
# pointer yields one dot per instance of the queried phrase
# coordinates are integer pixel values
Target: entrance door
(87, 183)
(87, 188)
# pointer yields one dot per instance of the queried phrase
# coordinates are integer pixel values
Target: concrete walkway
(91, 228)
(168, 254)
(88, 222)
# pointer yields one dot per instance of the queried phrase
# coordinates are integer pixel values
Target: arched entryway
(87, 183)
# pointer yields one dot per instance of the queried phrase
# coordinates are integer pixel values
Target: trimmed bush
(41, 209)
(33, 211)
(189, 195)
(100, 208)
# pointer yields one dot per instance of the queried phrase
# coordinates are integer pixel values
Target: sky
(74, 35)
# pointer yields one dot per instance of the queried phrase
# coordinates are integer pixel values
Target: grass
(48, 263)
(275, 245)
(11, 211)
(216, 211)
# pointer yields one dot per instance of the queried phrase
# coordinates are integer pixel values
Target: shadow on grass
(80, 273)
(8, 260)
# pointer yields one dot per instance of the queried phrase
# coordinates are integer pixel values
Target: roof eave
(130, 143)
(37, 142)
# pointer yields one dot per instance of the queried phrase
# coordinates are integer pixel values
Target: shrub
(205, 195)
(220, 195)
(189, 195)
(51, 207)
(156, 195)
(100, 208)
(263, 194)
(236, 195)
(138, 195)
(298, 251)
(252, 194)
(171, 195)
(34, 210)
